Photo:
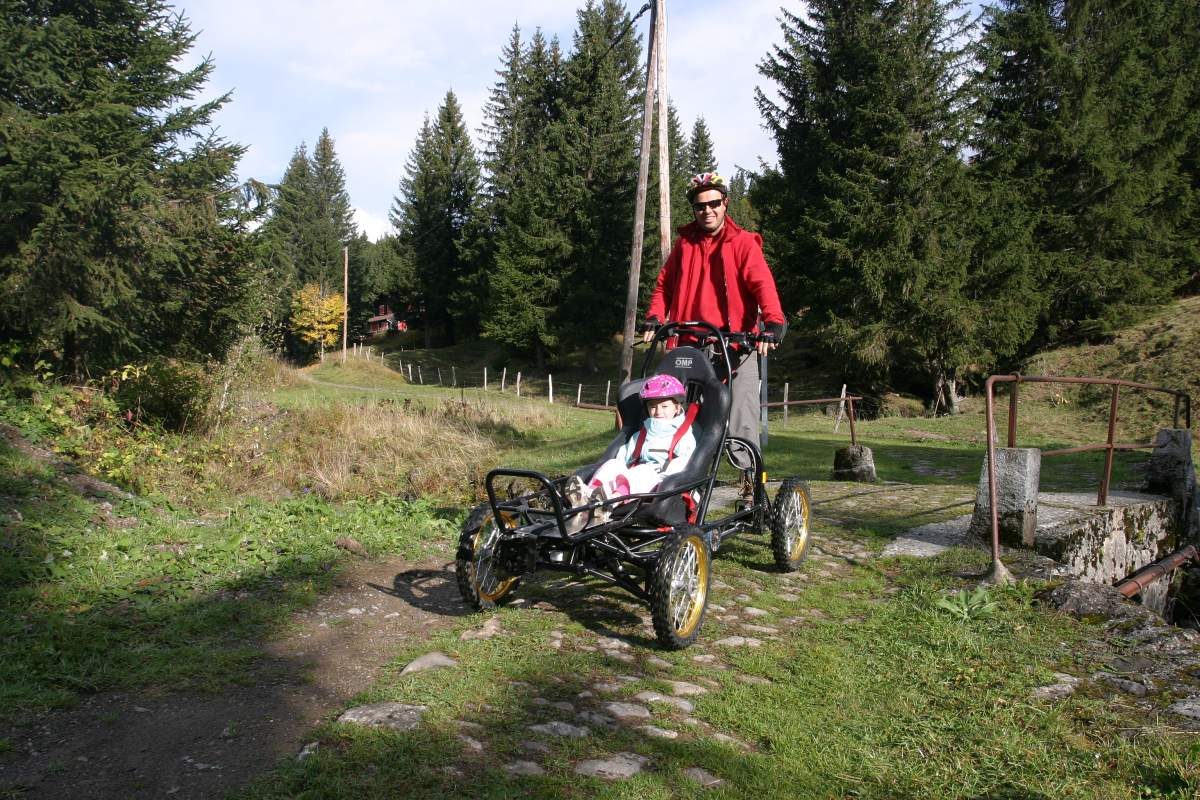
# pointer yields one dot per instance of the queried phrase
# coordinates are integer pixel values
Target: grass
(877, 689)
(874, 692)
(142, 595)
(1162, 350)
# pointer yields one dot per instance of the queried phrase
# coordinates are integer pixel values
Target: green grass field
(868, 688)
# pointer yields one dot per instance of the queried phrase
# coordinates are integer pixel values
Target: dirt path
(204, 745)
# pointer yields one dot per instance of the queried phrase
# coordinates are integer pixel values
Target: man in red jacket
(716, 273)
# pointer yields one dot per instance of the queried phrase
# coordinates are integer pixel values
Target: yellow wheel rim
(487, 586)
(797, 523)
(689, 586)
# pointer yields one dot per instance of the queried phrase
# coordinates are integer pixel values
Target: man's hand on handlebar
(770, 338)
(766, 343)
(649, 327)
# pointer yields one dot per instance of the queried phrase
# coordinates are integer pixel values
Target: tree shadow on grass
(168, 682)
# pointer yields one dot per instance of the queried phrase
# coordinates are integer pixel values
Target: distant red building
(383, 322)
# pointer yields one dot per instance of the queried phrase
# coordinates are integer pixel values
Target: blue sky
(369, 70)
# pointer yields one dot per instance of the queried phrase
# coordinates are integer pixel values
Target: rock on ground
(703, 777)
(619, 765)
(559, 728)
(434, 660)
(396, 716)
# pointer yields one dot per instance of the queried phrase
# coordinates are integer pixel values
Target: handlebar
(711, 334)
(703, 334)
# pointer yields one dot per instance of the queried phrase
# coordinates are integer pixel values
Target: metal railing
(1183, 401)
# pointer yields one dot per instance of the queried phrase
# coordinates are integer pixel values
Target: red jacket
(722, 280)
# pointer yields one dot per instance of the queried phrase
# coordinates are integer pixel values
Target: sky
(369, 71)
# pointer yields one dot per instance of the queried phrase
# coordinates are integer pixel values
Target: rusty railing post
(850, 412)
(1000, 574)
(1108, 453)
(1012, 412)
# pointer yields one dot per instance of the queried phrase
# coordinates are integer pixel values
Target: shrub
(174, 394)
(897, 405)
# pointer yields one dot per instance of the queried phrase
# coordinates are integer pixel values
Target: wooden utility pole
(639, 213)
(664, 161)
(345, 298)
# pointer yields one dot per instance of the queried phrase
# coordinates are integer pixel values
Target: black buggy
(656, 545)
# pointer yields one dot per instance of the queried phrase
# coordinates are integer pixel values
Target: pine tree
(434, 212)
(334, 223)
(286, 235)
(388, 272)
(121, 234)
(677, 144)
(865, 213)
(532, 249)
(1089, 117)
(741, 207)
(596, 142)
(504, 133)
(701, 157)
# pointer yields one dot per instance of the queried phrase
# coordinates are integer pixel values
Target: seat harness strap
(688, 419)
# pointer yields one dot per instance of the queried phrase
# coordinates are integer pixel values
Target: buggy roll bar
(498, 507)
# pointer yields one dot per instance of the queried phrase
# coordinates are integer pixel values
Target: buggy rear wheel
(476, 564)
(790, 532)
(679, 588)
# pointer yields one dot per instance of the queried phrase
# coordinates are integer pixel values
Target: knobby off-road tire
(791, 524)
(475, 561)
(679, 587)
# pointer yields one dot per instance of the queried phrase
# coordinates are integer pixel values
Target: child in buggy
(658, 544)
(662, 447)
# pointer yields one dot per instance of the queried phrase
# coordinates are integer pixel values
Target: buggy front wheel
(790, 525)
(679, 588)
(476, 563)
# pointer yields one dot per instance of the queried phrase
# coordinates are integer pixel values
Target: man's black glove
(774, 332)
(649, 325)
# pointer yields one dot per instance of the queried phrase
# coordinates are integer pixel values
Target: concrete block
(1170, 471)
(854, 463)
(1018, 473)
(1106, 544)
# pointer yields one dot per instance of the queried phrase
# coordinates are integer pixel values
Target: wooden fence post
(454, 376)
(578, 393)
(410, 380)
(607, 389)
(841, 409)
(550, 378)
(485, 379)
(439, 369)
(785, 403)
(518, 384)
(420, 377)
(503, 378)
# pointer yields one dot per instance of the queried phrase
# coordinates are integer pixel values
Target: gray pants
(746, 408)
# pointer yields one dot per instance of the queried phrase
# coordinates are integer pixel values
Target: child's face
(663, 408)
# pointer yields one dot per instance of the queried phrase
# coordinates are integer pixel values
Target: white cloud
(373, 225)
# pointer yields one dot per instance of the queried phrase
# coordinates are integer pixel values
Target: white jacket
(656, 446)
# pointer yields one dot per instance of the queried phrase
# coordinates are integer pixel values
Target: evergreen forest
(950, 191)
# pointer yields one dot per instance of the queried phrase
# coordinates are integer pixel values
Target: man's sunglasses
(698, 207)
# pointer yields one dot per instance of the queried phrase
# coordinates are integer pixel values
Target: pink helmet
(660, 386)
